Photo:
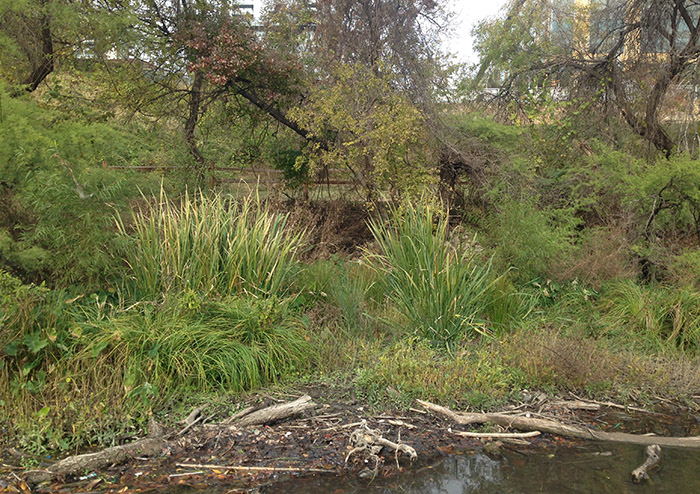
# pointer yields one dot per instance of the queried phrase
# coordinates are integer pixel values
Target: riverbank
(211, 454)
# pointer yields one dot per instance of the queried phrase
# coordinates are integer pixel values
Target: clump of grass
(86, 380)
(440, 290)
(234, 345)
(211, 244)
(653, 315)
(548, 357)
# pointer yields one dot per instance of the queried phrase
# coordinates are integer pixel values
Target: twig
(190, 425)
(401, 423)
(615, 405)
(78, 187)
(498, 434)
(173, 475)
(338, 427)
(253, 469)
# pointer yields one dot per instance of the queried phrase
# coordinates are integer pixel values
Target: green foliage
(210, 244)
(439, 289)
(233, 344)
(669, 194)
(294, 165)
(376, 132)
(500, 137)
(77, 371)
(652, 317)
(529, 239)
(412, 369)
(34, 322)
(60, 226)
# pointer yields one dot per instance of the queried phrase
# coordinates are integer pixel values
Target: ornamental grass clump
(211, 244)
(235, 344)
(441, 291)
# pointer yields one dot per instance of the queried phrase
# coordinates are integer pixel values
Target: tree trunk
(45, 65)
(193, 116)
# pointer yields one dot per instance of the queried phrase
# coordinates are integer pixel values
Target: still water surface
(590, 469)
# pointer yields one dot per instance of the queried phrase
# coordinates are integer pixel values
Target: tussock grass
(440, 290)
(234, 345)
(211, 244)
(653, 316)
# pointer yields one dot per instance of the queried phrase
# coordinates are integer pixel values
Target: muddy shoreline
(318, 442)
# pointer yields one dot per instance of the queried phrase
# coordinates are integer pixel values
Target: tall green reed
(210, 244)
(440, 290)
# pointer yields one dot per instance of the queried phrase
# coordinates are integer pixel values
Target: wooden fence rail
(253, 176)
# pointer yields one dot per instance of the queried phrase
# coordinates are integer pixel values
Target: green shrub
(529, 240)
(440, 290)
(210, 244)
(60, 226)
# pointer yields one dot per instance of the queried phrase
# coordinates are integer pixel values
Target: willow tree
(631, 54)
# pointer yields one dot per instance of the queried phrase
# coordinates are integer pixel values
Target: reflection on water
(593, 469)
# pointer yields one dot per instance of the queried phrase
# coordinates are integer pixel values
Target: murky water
(590, 468)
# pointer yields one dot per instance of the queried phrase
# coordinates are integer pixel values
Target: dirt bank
(212, 453)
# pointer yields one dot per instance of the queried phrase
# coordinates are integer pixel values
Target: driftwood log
(275, 412)
(152, 445)
(653, 457)
(554, 427)
(157, 441)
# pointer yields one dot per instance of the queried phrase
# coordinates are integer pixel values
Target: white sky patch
(469, 13)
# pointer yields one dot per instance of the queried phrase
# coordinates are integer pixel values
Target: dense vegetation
(475, 251)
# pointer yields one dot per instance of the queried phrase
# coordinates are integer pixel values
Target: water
(590, 468)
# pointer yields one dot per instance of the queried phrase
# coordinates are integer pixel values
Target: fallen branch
(512, 435)
(149, 446)
(275, 412)
(653, 457)
(252, 469)
(194, 415)
(553, 427)
(575, 405)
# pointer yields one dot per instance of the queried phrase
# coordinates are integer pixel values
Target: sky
(469, 13)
